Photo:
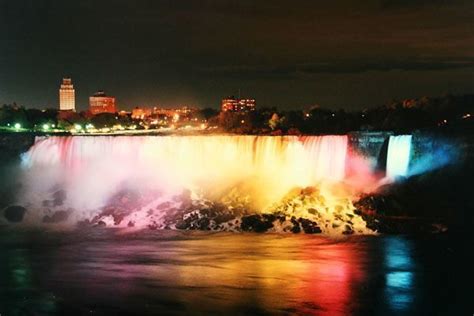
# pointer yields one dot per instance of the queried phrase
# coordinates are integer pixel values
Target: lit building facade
(232, 104)
(145, 112)
(141, 113)
(101, 103)
(67, 99)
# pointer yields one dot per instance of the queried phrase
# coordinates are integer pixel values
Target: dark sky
(290, 54)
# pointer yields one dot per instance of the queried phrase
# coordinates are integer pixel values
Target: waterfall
(398, 156)
(96, 166)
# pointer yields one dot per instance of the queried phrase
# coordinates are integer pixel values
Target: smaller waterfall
(398, 156)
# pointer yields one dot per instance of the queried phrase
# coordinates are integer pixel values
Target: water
(90, 171)
(98, 272)
(398, 156)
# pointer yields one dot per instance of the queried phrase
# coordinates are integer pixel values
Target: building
(101, 103)
(183, 112)
(67, 100)
(141, 113)
(232, 104)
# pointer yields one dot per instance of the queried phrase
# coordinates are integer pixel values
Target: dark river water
(111, 272)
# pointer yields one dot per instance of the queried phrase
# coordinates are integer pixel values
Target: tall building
(67, 101)
(231, 104)
(101, 103)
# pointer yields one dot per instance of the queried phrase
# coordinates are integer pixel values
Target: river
(116, 271)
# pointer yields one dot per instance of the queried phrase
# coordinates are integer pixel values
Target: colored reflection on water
(107, 272)
(399, 278)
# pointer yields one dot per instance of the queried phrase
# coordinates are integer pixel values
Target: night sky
(290, 54)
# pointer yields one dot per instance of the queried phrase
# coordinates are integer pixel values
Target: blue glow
(399, 278)
(439, 157)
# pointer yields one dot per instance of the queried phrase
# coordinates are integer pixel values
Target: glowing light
(17, 125)
(398, 156)
(243, 121)
(46, 127)
(465, 116)
(263, 169)
(77, 127)
(399, 278)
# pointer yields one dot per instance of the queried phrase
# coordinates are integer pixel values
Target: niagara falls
(236, 157)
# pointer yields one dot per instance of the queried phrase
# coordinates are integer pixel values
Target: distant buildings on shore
(101, 103)
(164, 116)
(231, 104)
(67, 100)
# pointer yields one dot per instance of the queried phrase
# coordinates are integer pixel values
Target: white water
(93, 168)
(398, 156)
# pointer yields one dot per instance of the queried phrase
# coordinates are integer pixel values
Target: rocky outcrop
(14, 213)
(430, 202)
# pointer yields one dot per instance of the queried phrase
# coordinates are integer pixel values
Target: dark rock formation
(101, 224)
(14, 213)
(257, 223)
(309, 227)
(424, 203)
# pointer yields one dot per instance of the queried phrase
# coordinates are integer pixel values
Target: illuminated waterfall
(94, 167)
(398, 156)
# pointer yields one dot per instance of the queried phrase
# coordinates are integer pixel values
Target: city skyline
(344, 54)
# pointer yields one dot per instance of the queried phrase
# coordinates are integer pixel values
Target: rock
(14, 213)
(57, 217)
(312, 211)
(101, 224)
(118, 213)
(203, 223)
(256, 223)
(348, 230)
(59, 197)
(154, 226)
(310, 227)
(296, 229)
